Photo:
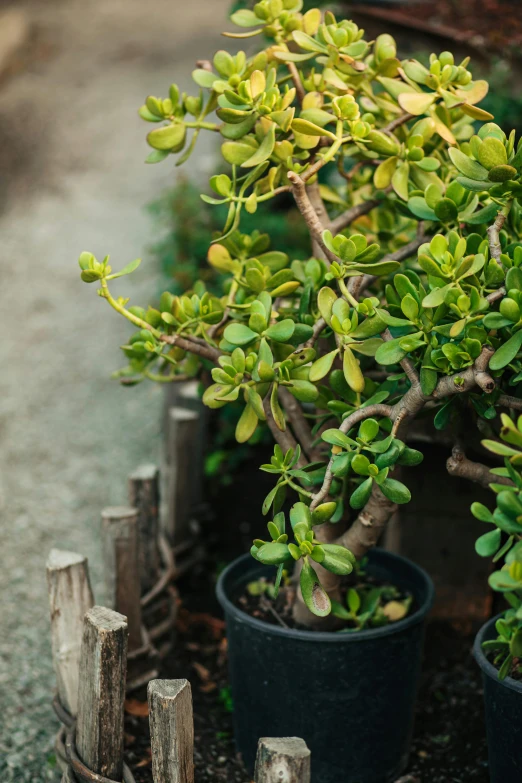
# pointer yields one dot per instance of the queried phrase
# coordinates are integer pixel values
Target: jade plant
(410, 303)
(504, 544)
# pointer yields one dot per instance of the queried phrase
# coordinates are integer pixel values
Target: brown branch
(498, 294)
(309, 214)
(397, 122)
(300, 426)
(406, 364)
(193, 345)
(379, 409)
(510, 402)
(294, 73)
(285, 439)
(319, 326)
(472, 376)
(493, 232)
(462, 467)
(368, 526)
(353, 213)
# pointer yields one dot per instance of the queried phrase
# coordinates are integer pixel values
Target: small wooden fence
(91, 741)
(100, 653)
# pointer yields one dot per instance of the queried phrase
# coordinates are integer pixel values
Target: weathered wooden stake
(103, 665)
(181, 449)
(120, 553)
(171, 731)
(70, 596)
(144, 496)
(284, 760)
(189, 397)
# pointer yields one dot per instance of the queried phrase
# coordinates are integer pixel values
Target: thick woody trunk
(367, 529)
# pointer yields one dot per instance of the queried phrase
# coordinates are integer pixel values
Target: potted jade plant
(409, 305)
(498, 646)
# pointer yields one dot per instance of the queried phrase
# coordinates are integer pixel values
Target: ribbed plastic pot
(503, 705)
(351, 697)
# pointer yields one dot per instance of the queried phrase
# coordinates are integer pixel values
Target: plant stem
(123, 311)
(495, 248)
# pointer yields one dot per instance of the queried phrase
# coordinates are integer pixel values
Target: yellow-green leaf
(325, 302)
(352, 371)
(169, 137)
(247, 424)
(416, 103)
(276, 409)
(265, 149)
(400, 180)
(322, 366)
(384, 173)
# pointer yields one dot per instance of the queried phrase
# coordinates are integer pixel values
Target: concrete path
(72, 178)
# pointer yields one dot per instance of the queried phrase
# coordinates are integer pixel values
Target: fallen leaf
(144, 762)
(140, 709)
(395, 610)
(208, 687)
(203, 672)
(186, 619)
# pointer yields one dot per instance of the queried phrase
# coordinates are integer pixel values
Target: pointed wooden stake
(284, 760)
(120, 553)
(70, 596)
(171, 731)
(144, 496)
(181, 447)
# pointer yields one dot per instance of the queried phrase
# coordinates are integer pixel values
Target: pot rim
(487, 667)
(331, 636)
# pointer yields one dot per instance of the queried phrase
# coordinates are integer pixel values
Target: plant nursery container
(503, 705)
(350, 696)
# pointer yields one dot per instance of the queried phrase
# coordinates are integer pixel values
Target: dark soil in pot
(350, 696)
(503, 707)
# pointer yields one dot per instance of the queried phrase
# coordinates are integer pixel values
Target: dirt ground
(72, 178)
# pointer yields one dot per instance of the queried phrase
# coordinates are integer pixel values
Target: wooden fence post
(144, 497)
(189, 397)
(120, 552)
(171, 731)
(284, 760)
(180, 453)
(103, 664)
(70, 596)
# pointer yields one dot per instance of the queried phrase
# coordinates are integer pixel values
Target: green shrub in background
(409, 305)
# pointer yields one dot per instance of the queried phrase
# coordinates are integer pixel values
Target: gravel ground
(72, 178)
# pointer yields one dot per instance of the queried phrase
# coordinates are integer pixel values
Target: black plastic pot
(349, 696)
(503, 703)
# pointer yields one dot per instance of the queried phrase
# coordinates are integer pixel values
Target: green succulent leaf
(488, 543)
(314, 595)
